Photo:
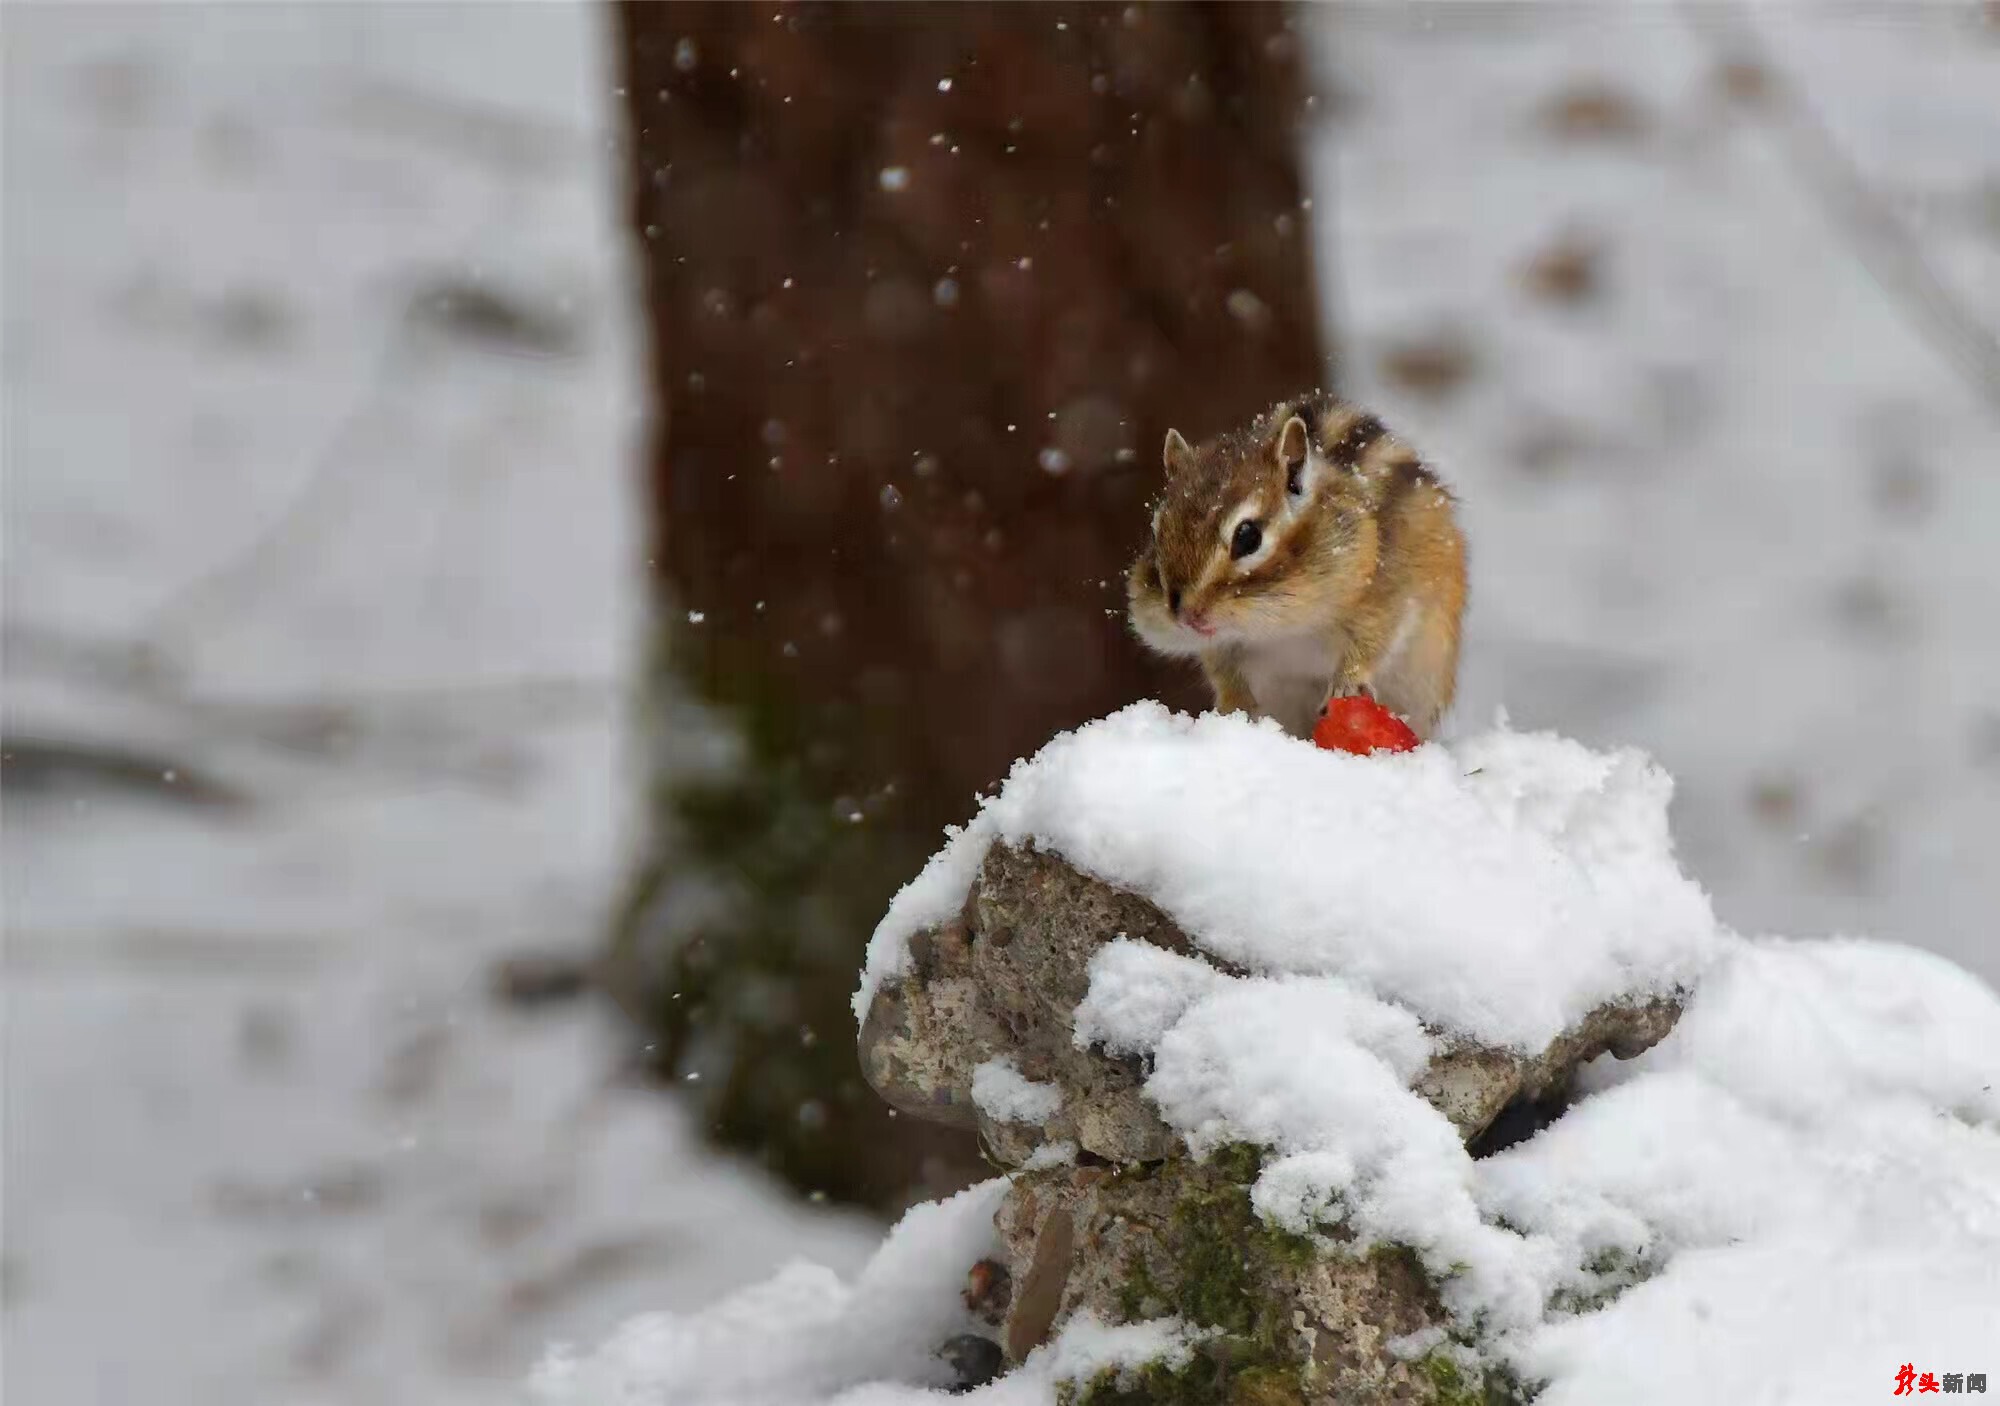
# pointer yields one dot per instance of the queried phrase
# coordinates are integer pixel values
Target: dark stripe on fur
(1405, 477)
(1354, 442)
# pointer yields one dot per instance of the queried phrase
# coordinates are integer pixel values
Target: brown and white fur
(1308, 556)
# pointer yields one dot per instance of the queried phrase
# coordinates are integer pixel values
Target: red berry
(1361, 726)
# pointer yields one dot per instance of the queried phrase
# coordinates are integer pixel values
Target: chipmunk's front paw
(1348, 688)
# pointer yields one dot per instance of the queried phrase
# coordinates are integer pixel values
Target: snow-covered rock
(1030, 1016)
(1237, 1012)
(1502, 888)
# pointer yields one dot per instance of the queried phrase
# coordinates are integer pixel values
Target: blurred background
(522, 522)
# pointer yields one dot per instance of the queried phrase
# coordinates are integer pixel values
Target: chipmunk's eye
(1246, 539)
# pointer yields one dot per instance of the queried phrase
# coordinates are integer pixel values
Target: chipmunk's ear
(1176, 456)
(1293, 440)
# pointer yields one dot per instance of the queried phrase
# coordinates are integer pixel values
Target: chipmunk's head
(1261, 533)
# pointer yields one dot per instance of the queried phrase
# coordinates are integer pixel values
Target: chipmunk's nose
(1197, 620)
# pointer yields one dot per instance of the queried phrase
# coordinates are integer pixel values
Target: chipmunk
(1307, 557)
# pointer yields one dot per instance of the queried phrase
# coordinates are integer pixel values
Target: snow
(804, 1336)
(1820, 1101)
(1556, 856)
(1729, 513)
(1317, 1070)
(1051, 1154)
(1732, 510)
(1801, 1184)
(935, 896)
(267, 1135)
(1137, 992)
(1805, 1321)
(631, 1368)
(1001, 1092)
(319, 1166)
(1086, 1347)
(1814, 1157)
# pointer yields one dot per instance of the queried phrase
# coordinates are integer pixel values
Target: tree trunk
(927, 286)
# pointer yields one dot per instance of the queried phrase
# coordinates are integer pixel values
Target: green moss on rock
(1225, 1261)
(1226, 1251)
(1454, 1385)
(1210, 1260)
(1201, 1381)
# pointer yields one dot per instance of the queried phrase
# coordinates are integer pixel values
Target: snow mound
(1502, 887)
(804, 1338)
(1817, 1101)
(1799, 1188)
(803, 1335)
(1804, 1176)
(1800, 1185)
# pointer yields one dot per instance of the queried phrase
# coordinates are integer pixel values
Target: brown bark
(927, 285)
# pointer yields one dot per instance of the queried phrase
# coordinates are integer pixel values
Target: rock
(1118, 1220)
(1470, 1083)
(974, 1360)
(1287, 1321)
(1131, 1226)
(1004, 979)
(989, 1290)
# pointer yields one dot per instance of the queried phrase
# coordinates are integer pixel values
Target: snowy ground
(1738, 507)
(320, 373)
